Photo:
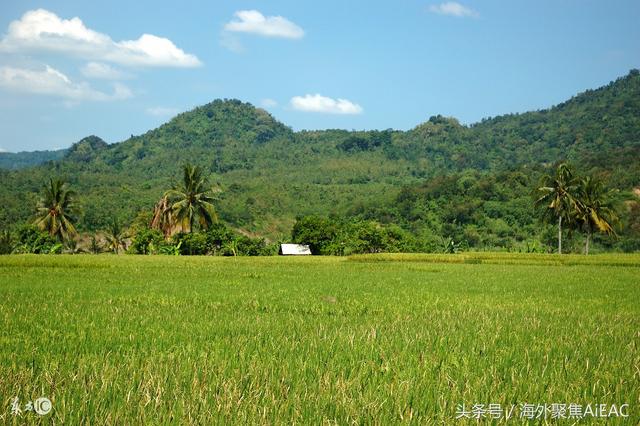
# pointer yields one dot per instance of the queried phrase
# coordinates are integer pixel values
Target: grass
(370, 339)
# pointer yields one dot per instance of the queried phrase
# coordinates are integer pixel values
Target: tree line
(184, 221)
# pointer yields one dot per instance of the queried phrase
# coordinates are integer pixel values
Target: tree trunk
(586, 244)
(560, 235)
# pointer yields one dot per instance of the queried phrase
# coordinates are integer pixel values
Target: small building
(294, 250)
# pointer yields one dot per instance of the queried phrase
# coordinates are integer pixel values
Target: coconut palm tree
(115, 237)
(163, 218)
(596, 212)
(557, 194)
(56, 211)
(192, 201)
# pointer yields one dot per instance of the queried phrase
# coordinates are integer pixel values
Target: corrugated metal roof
(295, 249)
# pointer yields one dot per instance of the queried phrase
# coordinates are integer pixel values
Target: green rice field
(380, 339)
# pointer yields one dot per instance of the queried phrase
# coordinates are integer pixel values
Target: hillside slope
(270, 174)
(21, 160)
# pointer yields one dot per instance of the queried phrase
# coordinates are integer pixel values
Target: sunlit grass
(370, 339)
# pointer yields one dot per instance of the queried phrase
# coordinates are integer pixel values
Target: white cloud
(102, 71)
(162, 111)
(52, 82)
(254, 22)
(150, 50)
(452, 8)
(319, 103)
(268, 103)
(43, 30)
(3, 150)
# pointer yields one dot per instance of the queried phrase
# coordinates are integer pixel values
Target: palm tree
(163, 218)
(192, 201)
(56, 211)
(595, 211)
(556, 193)
(115, 237)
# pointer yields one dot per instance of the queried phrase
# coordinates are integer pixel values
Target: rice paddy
(381, 339)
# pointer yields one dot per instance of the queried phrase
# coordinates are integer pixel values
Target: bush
(251, 246)
(6, 242)
(30, 239)
(318, 232)
(367, 237)
(400, 241)
(169, 249)
(218, 236)
(146, 241)
(191, 244)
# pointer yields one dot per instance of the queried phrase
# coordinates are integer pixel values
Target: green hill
(440, 178)
(20, 160)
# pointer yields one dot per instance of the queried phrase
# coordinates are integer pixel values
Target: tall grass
(372, 339)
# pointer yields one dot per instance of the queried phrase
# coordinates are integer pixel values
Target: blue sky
(69, 69)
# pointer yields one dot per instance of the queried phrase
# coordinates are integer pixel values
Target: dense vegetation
(439, 184)
(20, 160)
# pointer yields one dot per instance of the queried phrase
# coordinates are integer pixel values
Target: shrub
(251, 246)
(367, 237)
(30, 239)
(218, 236)
(318, 232)
(146, 241)
(191, 244)
(6, 242)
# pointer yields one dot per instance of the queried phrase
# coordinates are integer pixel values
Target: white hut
(295, 250)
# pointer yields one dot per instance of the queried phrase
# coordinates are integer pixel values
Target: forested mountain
(440, 179)
(20, 160)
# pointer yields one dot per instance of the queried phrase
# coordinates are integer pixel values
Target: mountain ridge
(483, 122)
(271, 174)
